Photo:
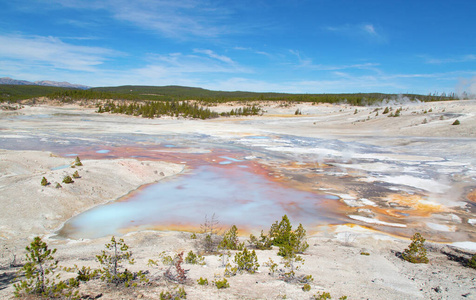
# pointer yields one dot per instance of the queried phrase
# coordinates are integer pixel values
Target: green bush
(76, 175)
(456, 122)
(306, 287)
(263, 243)
(194, 259)
(111, 264)
(273, 267)
(321, 296)
(166, 259)
(247, 261)
(39, 274)
(86, 273)
(472, 262)
(176, 294)
(288, 241)
(68, 179)
(416, 252)
(230, 240)
(221, 284)
(202, 281)
(77, 162)
(44, 182)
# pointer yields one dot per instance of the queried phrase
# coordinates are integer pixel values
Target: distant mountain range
(7, 80)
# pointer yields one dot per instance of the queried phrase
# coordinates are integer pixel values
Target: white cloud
(189, 63)
(365, 30)
(455, 59)
(175, 19)
(308, 64)
(51, 52)
(212, 54)
(369, 28)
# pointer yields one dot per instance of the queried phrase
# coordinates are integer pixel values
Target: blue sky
(320, 46)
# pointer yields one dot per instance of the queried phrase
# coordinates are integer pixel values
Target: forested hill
(13, 93)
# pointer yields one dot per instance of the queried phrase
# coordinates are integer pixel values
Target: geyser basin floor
(414, 174)
(236, 195)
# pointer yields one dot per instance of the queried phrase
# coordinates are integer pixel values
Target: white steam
(466, 88)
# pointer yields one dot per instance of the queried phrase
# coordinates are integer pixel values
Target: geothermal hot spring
(251, 180)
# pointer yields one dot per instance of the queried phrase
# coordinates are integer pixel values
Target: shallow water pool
(236, 195)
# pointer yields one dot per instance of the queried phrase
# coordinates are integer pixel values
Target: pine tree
(230, 239)
(78, 162)
(39, 272)
(111, 261)
(416, 252)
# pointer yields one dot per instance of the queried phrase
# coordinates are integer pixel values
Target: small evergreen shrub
(472, 262)
(58, 186)
(86, 273)
(247, 261)
(67, 179)
(111, 264)
(193, 236)
(166, 259)
(263, 243)
(321, 296)
(39, 274)
(456, 122)
(386, 110)
(416, 252)
(176, 294)
(202, 281)
(306, 287)
(194, 259)
(221, 284)
(77, 162)
(272, 266)
(44, 182)
(288, 241)
(76, 175)
(230, 240)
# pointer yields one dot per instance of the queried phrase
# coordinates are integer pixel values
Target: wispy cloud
(454, 59)
(212, 54)
(308, 64)
(364, 30)
(52, 52)
(369, 28)
(176, 19)
(183, 68)
(253, 51)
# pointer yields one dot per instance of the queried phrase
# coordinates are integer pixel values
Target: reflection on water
(235, 194)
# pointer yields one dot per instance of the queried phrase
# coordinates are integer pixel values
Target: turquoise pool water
(236, 195)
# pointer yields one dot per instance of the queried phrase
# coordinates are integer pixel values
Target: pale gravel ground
(29, 209)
